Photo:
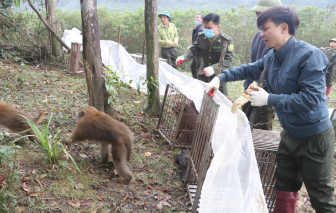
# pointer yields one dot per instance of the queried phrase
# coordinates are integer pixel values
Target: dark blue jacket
(258, 50)
(295, 80)
(199, 28)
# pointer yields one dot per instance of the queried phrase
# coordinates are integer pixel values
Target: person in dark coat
(265, 114)
(196, 62)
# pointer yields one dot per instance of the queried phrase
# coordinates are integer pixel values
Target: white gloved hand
(180, 60)
(208, 71)
(175, 42)
(213, 86)
(258, 96)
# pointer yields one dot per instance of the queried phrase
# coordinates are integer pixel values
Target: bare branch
(48, 26)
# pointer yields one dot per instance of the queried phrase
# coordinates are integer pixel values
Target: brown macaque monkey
(11, 119)
(188, 121)
(115, 138)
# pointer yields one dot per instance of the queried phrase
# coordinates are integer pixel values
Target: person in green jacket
(168, 39)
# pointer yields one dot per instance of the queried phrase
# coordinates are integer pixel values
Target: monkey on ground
(188, 121)
(12, 119)
(115, 138)
(182, 159)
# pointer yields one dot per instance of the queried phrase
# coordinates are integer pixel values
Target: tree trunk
(56, 47)
(152, 58)
(92, 54)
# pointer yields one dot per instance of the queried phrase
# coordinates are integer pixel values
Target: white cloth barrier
(232, 183)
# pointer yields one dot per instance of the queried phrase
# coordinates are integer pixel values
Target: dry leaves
(2, 178)
(25, 187)
(78, 187)
(139, 180)
(35, 194)
(154, 187)
(100, 197)
(74, 203)
(42, 176)
(165, 203)
(83, 155)
(22, 208)
(86, 203)
(166, 190)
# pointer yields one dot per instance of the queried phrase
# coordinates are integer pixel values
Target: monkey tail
(39, 118)
(129, 147)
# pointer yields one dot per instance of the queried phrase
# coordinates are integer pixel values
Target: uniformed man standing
(196, 62)
(331, 55)
(168, 39)
(265, 114)
(210, 43)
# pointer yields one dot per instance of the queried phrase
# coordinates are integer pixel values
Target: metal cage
(199, 138)
(177, 121)
(266, 145)
(201, 151)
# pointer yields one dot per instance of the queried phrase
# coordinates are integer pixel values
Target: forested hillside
(317, 27)
(122, 5)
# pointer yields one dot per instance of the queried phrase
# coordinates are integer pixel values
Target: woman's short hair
(279, 15)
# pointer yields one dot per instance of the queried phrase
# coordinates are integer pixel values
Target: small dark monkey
(11, 119)
(188, 121)
(115, 138)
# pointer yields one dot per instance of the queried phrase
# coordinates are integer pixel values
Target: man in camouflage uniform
(210, 43)
(168, 39)
(330, 52)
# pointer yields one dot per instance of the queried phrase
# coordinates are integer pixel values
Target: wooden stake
(119, 35)
(143, 52)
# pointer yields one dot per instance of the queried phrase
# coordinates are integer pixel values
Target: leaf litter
(63, 96)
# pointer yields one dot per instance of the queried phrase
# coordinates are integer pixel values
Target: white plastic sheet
(232, 183)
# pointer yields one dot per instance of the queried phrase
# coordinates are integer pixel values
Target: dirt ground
(32, 185)
(39, 188)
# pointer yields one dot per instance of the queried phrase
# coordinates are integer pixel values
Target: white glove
(213, 86)
(258, 96)
(180, 60)
(208, 71)
(175, 42)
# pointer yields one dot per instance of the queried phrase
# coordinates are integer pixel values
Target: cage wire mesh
(201, 151)
(266, 144)
(178, 118)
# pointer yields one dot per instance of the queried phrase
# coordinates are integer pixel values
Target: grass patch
(31, 89)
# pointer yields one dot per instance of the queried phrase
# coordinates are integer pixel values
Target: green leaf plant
(49, 144)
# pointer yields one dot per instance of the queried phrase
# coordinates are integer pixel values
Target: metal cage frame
(266, 145)
(201, 150)
(170, 119)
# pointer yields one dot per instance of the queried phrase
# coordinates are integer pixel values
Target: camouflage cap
(333, 39)
(263, 5)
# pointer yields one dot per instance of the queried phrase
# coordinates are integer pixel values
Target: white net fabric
(232, 183)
